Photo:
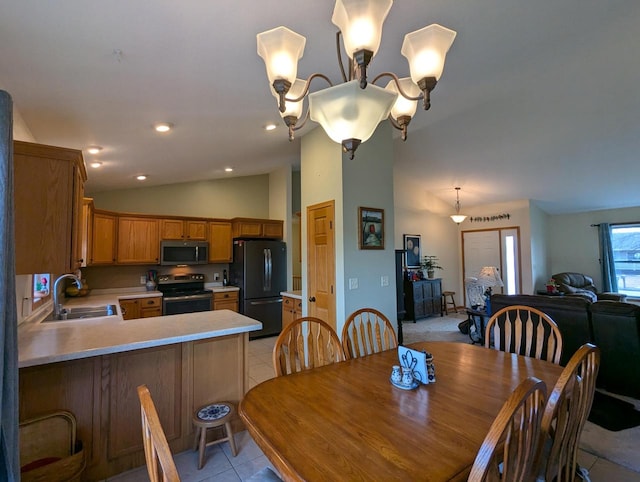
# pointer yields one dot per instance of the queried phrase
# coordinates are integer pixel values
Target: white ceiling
(538, 99)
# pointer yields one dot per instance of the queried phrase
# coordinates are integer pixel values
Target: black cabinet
(423, 298)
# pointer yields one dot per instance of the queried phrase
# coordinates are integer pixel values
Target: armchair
(578, 284)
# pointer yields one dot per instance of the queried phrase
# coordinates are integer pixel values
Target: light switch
(384, 281)
(143, 280)
(353, 283)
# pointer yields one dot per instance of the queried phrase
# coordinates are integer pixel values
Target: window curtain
(9, 456)
(609, 279)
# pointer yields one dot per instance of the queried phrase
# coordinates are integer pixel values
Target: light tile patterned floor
(221, 466)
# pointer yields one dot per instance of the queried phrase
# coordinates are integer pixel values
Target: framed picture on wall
(371, 228)
(412, 250)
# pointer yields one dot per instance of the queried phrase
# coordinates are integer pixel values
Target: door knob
(312, 299)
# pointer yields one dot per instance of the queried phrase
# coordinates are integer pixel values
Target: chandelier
(457, 217)
(350, 111)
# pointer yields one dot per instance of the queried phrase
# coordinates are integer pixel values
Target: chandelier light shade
(348, 115)
(457, 217)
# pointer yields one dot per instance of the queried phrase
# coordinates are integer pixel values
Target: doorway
(321, 262)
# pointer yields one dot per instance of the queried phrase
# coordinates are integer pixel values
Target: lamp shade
(281, 48)
(458, 218)
(293, 109)
(489, 277)
(360, 22)
(346, 111)
(403, 106)
(426, 50)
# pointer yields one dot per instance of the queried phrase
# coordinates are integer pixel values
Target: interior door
(321, 262)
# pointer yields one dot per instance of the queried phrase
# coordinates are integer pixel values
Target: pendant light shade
(402, 105)
(348, 112)
(457, 217)
(360, 22)
(281, 48)
(426, 50)
(293, 109)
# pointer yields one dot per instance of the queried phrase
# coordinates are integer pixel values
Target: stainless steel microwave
(173, 253)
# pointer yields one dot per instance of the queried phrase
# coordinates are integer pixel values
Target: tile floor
(221, 466)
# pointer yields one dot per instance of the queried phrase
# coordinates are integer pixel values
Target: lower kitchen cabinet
(291, 310)
(141, 307)
(423, 298)
(225, 300)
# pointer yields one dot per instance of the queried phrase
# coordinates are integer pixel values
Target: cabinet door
(248, 228)
(220, 242)
(138, 240)
(150, 307)
(227, 300)
(103, 239)
(130, 309)
(195, 230)
(77, 259)
(272, 229)
(288, 311)
(419, 300)
(171, 229)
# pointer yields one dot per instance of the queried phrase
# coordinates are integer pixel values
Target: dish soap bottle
(225, 281)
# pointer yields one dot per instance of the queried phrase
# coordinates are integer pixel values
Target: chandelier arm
(339, 54)
(297, 127)
(399, 126)
(307, 85)
(396, 80)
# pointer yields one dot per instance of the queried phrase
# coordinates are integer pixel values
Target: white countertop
(297, 294)
(48, 342)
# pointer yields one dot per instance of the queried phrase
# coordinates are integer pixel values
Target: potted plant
(430, 264)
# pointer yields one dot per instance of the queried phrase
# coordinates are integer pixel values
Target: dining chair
(160, 464)
(508, 451)
(526, 331)
(306, 343)
(367, 331)
(564, 416)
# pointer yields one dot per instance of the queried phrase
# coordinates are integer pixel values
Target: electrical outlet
(384, 281)
(143, 280)
(353, 283)
(216, 276)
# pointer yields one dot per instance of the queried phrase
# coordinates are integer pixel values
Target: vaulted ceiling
(538, 100)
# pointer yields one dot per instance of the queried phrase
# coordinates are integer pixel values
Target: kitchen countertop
(297, 294)
(49, 342)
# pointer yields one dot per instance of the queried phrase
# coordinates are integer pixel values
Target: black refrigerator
(259, 268)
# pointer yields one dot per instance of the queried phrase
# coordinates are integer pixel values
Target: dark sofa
(612, 326)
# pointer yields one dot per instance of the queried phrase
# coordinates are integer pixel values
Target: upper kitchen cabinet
(102, 238)
(48, 196)
(187, 229)
(220, 242)
(257, 228)
(138, 240)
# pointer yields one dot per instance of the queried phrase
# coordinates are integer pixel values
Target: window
(625, 241)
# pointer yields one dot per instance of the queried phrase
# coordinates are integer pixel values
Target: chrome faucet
(57, 307)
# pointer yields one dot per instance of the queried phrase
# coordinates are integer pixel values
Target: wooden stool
(446, 304)
(211, 416)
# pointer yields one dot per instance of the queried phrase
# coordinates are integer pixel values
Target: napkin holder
(416, 361)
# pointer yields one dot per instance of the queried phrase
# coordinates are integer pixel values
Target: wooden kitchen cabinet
(225, 300)
(141, 307)
(423, 298)
(102, 247)
(220, 242)
(48, 192)
(291, 310)
(257, 228)
(194, 230)
(138, 240)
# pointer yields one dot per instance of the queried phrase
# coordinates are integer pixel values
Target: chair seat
(213, 414)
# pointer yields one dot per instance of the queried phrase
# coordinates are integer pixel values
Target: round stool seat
(213, 415)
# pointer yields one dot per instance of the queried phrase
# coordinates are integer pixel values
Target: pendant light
(457, 217)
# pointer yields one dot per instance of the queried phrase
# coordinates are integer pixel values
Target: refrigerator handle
(265, 273)
(269, 269)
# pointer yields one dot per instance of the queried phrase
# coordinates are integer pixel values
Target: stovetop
(182, 284)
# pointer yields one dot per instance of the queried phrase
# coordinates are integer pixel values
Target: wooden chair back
(526, 331)
(566, 413)
(160, 464)
(306, 343)
(508, 452)
(367, 331)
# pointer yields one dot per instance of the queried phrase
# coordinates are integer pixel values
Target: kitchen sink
(84, 312)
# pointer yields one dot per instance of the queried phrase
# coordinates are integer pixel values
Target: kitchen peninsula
(92, 367)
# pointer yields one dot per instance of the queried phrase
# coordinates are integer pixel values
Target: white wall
(280, 208)
(223, 198)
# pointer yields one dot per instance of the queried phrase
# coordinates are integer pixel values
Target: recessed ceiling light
(163, 126)
(269, 127)
(94, 149)
(96, 164)
(141, 177)
(228, 169)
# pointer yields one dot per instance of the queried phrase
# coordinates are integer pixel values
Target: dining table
(347, 421)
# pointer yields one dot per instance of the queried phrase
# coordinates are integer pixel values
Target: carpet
(436, 328)
(612, 413)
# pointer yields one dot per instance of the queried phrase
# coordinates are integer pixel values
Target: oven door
(175, 305)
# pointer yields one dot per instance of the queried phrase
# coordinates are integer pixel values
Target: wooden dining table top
(346, 421)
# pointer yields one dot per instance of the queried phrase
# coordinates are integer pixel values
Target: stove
(184, 293)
